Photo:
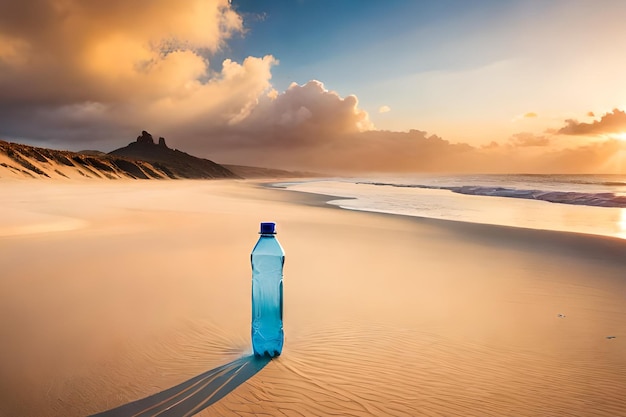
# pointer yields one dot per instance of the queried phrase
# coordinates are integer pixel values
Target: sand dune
(28, 162)
(147, 286)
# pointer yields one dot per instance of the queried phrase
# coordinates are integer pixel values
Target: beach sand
(112, 291)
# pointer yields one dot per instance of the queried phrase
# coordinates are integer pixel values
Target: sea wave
(604, 199)
(605, 183)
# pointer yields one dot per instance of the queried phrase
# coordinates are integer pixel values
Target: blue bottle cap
(268, 229)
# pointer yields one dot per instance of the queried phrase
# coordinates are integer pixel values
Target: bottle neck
(272, 235)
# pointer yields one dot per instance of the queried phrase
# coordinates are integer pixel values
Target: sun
(620, 136)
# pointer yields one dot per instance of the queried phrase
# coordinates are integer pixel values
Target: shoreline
(446, 204)
(601, 246)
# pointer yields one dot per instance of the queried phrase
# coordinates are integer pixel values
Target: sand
(113, 291)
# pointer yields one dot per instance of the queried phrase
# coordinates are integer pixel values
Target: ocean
(591, 204)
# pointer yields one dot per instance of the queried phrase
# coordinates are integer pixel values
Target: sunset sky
(489, 86)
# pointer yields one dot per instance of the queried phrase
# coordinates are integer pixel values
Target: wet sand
(113, 291)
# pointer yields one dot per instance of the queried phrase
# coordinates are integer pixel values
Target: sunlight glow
(620, 136)
(621, 224)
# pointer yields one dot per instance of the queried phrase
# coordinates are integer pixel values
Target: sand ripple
(380, 371)
(394, 317)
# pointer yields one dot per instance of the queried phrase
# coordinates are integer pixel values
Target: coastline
(384, 314)
(493, 209)
(600, 246)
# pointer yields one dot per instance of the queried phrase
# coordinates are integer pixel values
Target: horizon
(321, 85)
(348, 173)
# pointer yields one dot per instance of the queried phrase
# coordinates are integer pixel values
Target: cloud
(302, 120)
(528, 139)
(529, 115)
(491, 145)
(364, 151)
(599, 157)
(384, 109)
(94, 74)
(120, 67)
(310, 127)
(612, 122)
(74, 50)
(310, 106)
(608, 156)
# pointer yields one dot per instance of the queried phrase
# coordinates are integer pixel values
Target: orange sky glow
(91, 75)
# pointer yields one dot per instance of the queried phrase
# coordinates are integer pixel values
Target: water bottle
(267, 260)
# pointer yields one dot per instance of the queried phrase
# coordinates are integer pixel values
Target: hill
(142, 159)
(23, 161)
(146, 161)
(181, 164)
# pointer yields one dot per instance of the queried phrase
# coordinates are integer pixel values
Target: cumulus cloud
(310, 127)
(92, 74)
(302, 120)
(121, 66)
(384, 109)
(612, 122)
(329, 151)
(67, 51)
(310, 106)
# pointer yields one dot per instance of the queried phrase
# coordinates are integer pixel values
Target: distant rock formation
(142, 159)
(145, 138)
(180, 164)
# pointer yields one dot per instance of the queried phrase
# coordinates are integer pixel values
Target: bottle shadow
(194, 395)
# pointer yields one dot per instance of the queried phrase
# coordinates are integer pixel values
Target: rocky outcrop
(145, 138)
(179, 164)
(142, 159)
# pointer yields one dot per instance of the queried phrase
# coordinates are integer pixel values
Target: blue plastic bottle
(267, 260)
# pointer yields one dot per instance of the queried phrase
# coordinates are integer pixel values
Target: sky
(331, 85)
